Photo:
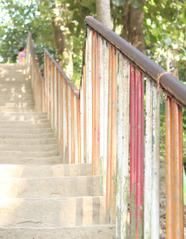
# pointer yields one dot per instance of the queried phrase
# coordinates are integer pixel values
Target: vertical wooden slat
(68, 122)
(82, 113)
(123, 85)
(151, 190)
(104, 69)
(52, 95)
(111, 163)
(174, 171)
(88, 91)
(75, 130)
(79, 132)
(60, 114)
(95, 105)
(72, 128)
(64, 127)
(136, 152)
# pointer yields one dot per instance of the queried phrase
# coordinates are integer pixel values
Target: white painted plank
(122, 197)
(89, 97)
(104, 70)
(151, 190)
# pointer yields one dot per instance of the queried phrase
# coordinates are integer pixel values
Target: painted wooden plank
(151, 197)
(60, 114)
(55, 99)
(122, 202)
(82, 114)
(72, 128)
(89, 98)
(79, 132)
(136, 152)
(75, 131)
(104, 69)
(69, 124)
(95, 105)
(65, 122)
(111, 163)
(174, 171)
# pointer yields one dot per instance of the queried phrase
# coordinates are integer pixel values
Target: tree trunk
(133, 18)
(58, 36)
(104, 13)
(58, 33)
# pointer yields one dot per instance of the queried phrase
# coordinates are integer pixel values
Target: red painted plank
(136, 152)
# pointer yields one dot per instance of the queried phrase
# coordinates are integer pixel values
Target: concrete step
(28, 147)
(27, 135)
(70, 211)
(24, 125)
(79, 232)
(26, 130)
(18, 104)
(23, 154)
(24, 121)
(47, 170)
(50, 187)
(30, 158)
(16, 99)
(27, 141)
(23, 115)
(20, 110)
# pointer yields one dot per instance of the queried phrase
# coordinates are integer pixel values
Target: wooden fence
(113, 122)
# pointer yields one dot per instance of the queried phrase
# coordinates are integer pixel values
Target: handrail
(168, 82)
(69, 82)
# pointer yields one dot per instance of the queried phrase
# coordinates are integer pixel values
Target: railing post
(174, 171)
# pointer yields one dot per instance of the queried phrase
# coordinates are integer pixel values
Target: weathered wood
(136, 152)
(122, 203)
(151, 193)
(88, 91)
(104, 79)
(174, 171)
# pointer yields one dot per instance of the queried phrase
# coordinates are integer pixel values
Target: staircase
(39, 196)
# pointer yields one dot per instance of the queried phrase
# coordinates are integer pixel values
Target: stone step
(30, 158)
(70, 211)
(106, 231)
(47, 170)
(50, 187)
(28, 147)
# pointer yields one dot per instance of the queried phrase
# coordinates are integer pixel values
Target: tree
(103, 12)
(133, 23)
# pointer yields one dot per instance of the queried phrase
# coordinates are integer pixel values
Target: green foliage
(19, 19)
(165, 32)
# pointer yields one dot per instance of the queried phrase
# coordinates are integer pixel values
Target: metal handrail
(168, 82)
